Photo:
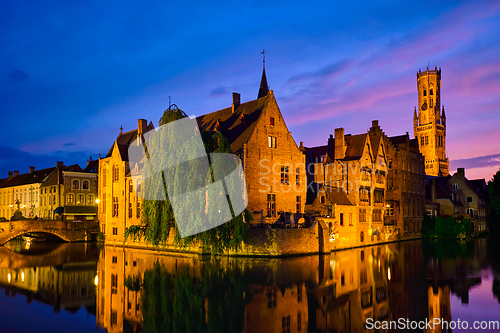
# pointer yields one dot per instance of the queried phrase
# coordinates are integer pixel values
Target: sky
(72, 73)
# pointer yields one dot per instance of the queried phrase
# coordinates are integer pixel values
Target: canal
(61, 287)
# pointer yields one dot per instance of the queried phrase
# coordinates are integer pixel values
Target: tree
(157, 216)
(494, 192)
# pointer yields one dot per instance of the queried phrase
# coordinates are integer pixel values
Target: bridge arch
(35, 230)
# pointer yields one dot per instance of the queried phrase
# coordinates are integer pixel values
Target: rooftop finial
(121, 129)
(263, 58)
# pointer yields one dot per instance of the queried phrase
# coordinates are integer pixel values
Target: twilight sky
(72, 73)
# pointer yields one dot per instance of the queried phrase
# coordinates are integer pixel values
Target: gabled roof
(236, 126)
(264, 88)
(355, 146)
(124, 140)
(52, 179)
(37, 176)
(399, 139)
(92, 167)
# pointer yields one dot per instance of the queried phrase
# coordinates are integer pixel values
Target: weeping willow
(157, 217)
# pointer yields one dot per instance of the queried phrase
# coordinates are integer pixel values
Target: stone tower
(429, 123)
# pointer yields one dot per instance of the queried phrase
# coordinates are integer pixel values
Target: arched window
(76, 184)
(85, 185)
(323, 199)
(90, 199)
(361, 237)
(80, 199)
(70, 198)
(104, 173)
(116, 173)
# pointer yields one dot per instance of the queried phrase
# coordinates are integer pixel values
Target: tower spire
(264, 88)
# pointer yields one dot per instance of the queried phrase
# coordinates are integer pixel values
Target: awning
(80, 210)
(59, 210)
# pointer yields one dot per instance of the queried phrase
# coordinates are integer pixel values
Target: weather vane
(263, 58)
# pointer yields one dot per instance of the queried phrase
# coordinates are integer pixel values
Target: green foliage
(179, 302)
(133, 283)
(428, 226)
(494, 214)
(157, 216)
(446, 228)
(100, 237)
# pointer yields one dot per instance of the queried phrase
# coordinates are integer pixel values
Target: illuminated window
(76, 185)
(80, 199)
(116, 173)
(90, 199)
(298, 204)
(115, 206)
(284, 175)
(271, 205)
(272, 142)
(70, 198)
(271, 121)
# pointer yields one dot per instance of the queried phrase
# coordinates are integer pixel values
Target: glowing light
(28, 244)
(22, 276)
(96, 280)
(97, 201)
(9, 277)
(388, 273)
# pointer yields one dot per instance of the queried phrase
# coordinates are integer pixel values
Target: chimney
(461, 171)
(340, 146)
(142, 125)
(16, 173)
(375, 123)
(59, 164)
(32, 169)
(11, 174)
(236, 101)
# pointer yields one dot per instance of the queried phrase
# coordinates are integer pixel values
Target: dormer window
(271, 121)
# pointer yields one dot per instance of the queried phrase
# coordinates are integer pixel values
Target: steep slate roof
(124, 140)
(37, 176)
(397, 140)
(355, 145)
(264, 88)
(92, 167)
(480, 185)
(335, 194)
(236, 126)
(442, 191)
(314, 154)
(52, 178)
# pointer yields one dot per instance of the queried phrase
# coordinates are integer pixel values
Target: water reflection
(133, 290)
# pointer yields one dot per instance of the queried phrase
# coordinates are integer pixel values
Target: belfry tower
(429, 123)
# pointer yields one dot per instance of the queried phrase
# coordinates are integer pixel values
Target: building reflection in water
(63, 277)
(328, 293)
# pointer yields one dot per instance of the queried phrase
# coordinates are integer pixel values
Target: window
(76, 185)
(431, 92)
(131, 187)
(432, 102)
(361, 237)
(272, 142)
(85, 185)
(104, 177)
(285, 324)
(342, 280)
(470, 212)
(365, 175)
(389, 211)
(70, 198)
(363, 276)
(80, 199)
(364, 194)
(114, 314)
(299, 321)
(271, 205)
(426, 140)
(115, 231)
(114, 259)
(104, 207)
(298, 204)
(138, 210)
(366, 299)
(284, 175)
(350, 219)
(271, 298)
(341, 218)
(115, 206)
(362, 215)
(425, 92)
(114, 284)
(380, 177)
(271, 121)
(116, 173)
(323, 199)
(90, 199)
(299, 293)
(379, 196)
(130, 210)
(377, 215)
(469, 199)
(297, 181)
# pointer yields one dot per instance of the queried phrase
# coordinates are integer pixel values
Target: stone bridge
(68, 231)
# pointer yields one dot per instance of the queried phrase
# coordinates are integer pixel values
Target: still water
(51, 287)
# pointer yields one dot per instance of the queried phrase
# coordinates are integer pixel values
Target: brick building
(354, 165)
(458, 197)
(70, 193)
